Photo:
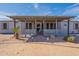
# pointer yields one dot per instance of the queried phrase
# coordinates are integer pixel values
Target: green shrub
(15, 29)
(16, 32)
(69, 38)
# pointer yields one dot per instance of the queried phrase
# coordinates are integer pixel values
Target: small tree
(16, 32)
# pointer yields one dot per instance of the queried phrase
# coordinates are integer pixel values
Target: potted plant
(16, 32)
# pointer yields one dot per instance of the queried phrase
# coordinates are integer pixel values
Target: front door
(39, 28)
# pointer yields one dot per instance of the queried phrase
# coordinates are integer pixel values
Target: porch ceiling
(58, 18)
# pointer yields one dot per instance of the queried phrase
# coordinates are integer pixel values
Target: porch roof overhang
(58, 18)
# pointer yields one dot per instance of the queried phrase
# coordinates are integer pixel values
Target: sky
(39, 9)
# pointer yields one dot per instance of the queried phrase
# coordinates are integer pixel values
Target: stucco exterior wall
(60, 31)
(28, 31)
(72, 30)
(64, 28)
(10, 26)
(72, 27)
(61, 28)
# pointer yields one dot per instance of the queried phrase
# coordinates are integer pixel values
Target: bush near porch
(69, 38)
(16, 31)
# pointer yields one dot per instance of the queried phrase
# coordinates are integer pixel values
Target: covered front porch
(42, 25)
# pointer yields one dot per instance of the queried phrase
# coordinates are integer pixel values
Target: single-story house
(40, 25)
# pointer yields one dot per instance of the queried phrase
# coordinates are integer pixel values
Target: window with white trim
(47, 25)
(76, 26)
(28, 25)
(5, 26)
(51, 26)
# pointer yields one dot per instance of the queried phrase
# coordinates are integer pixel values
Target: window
(54, 25)
(65, 24)
(47, 26)
(4, 25)
(51, 26)
(26, 25)
(76, 26)
(30, 25)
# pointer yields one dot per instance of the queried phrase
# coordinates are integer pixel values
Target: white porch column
(35, 25)
(19, 25)
(20, 28)
(43, 26)
(56, 27)
(68, 26)
(25, 28)
(14, 22)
